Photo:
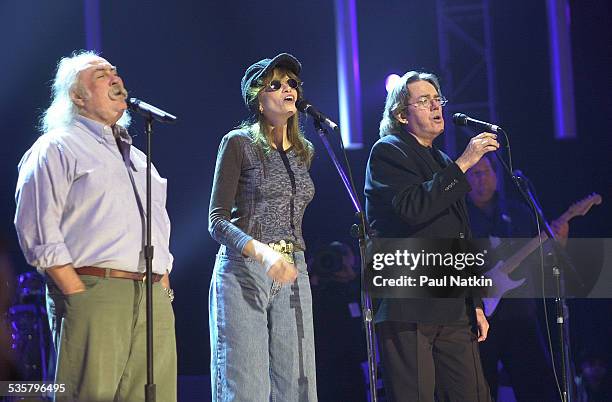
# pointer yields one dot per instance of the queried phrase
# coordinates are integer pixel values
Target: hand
(283, 272)
(560, 229)
(66, 279)
(165, 281)
(482, 324)
(476, 148)
(276, 266)
(74, 291)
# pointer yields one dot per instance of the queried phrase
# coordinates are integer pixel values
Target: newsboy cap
(260, 69)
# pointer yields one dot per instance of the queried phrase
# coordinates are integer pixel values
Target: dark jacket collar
(421, 150)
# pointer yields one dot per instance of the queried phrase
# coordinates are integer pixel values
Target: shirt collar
(101, 131)
(104, 133)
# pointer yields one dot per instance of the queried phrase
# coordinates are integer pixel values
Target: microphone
(520, 175)
(461, 119)
(150, 111)
(303, 106)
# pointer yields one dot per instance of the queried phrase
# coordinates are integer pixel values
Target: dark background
(188, 58)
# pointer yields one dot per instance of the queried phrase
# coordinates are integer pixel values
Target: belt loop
(107, 273)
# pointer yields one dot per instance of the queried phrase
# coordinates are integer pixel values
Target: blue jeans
(262, 345)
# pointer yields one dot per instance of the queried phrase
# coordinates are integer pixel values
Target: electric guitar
(499, 273)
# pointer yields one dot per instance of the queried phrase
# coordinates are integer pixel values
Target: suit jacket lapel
(460, 206)
(421, 151)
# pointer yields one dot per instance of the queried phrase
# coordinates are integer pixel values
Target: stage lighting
(391, 80)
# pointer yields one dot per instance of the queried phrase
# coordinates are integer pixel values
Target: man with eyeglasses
(413, 190)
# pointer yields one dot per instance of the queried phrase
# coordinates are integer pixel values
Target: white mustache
(117, 90)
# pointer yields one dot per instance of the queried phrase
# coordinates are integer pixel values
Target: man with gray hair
(80, 221)
(429, 347)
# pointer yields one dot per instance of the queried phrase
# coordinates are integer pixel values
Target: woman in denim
(261, 333)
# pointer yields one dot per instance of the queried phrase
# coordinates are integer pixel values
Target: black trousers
(431, 362)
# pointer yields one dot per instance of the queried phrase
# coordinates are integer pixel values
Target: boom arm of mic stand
(366, 300)
(531, 200)
(347, 184)
(535, 205)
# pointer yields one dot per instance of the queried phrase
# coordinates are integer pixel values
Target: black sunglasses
(275, 85)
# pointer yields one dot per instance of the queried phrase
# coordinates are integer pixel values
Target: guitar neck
(513, 262)
(579, 208)
(567, 216)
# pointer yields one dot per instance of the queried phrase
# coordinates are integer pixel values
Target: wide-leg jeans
(262, 343)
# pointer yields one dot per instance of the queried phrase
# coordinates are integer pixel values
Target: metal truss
(466, 60)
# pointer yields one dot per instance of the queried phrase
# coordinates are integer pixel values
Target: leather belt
(285, 249)
(115, 273)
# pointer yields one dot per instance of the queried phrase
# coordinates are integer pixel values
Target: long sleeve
(76, 202)
(167, 229)
(222, 200)
(42, 187)
(163, 225)
(416, 200)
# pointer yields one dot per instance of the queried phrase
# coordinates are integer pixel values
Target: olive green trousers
(100, 340)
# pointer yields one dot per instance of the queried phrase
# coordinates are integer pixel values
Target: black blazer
(415, 191)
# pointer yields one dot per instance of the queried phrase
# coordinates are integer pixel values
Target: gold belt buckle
(285, 249)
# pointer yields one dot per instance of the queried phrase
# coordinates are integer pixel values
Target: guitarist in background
(518, 339)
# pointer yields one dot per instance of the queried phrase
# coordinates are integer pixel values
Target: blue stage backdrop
(189, 58)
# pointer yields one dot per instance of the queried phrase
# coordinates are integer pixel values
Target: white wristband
(269, 257)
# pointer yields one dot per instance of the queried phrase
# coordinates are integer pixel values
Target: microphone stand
(148, 253)
(149, 113)
(360, 231)
(562, 309)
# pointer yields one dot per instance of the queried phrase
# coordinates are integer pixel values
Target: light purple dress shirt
(76, 203)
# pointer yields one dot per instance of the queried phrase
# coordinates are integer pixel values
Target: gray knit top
(256, 195)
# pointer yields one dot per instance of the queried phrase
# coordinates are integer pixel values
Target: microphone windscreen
(301, 105)
(133, 104)
(460, 119)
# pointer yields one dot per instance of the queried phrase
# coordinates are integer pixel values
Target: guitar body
(499, 273)
(502, 284)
